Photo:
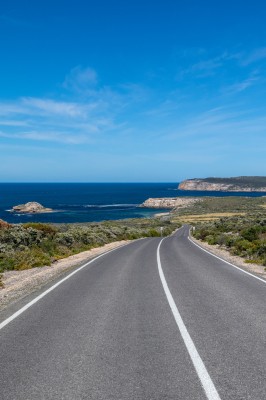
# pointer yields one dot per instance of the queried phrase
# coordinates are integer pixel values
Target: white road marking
(28, 305)
(227, 262)
(200, 368)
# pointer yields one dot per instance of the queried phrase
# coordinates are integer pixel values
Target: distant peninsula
(234, 184)
(31, 207)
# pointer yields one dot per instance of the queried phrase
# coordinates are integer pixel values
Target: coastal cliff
(171, 202)
(238, 184)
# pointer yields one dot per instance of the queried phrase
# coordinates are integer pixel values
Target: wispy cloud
(92, 113)
(254, 56)
(220, 123)
(80, 79)
(51, 120)
(10, 122)
(207, 66)
(46, 136)
(240, 86)
(95, 110)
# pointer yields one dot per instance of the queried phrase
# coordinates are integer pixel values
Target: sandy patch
(18, 284)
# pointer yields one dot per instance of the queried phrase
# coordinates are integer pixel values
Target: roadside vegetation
(242, 236)
(25, 246)
(237, 224)
(226, 205)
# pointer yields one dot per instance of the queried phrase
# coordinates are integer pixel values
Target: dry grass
(207, 217)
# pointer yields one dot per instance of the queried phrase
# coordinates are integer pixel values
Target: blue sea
(88, 202)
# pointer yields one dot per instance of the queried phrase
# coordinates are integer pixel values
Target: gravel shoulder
(18, 284)
(236, 260)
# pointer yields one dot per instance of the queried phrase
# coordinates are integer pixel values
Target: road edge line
(199, 366)
(227, 262)
(43, 294)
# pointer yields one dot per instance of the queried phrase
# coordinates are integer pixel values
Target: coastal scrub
(25, 246)
(244, 236)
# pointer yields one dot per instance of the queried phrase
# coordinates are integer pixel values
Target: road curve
(108, 331)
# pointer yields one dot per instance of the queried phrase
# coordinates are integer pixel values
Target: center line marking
(200, 368)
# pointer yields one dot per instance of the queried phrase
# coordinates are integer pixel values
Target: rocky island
(31, 207)
(169, 202)
(235, 184)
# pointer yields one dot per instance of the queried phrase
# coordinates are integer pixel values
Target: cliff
(171, 202)
(237, 184)
(31, 208)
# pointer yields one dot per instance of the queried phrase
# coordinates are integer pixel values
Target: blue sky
(132, 91)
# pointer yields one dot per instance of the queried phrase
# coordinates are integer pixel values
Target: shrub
(251, 233)
(45, 228)
(211, 239)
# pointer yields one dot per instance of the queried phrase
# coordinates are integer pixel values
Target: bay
(88, 202)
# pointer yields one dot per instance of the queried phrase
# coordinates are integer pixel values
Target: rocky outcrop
(240, 184)
(168, 202)
(31, 208)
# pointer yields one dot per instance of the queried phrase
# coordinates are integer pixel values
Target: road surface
(151, 320)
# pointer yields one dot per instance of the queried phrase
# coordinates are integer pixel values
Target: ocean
(89, 202)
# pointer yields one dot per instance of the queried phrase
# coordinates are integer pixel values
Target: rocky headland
(237, 184)
(170, 203)
(31, 207)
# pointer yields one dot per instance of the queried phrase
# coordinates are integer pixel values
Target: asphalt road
(121, 328)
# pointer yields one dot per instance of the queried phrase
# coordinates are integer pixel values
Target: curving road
(151, 320)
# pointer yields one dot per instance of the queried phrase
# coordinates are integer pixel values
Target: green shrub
(211, 239)
(45, 228)
(251, 233)
(153, 233)
(7, 263)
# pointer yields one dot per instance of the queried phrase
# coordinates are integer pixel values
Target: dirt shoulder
(238, 261)
(18, 284)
